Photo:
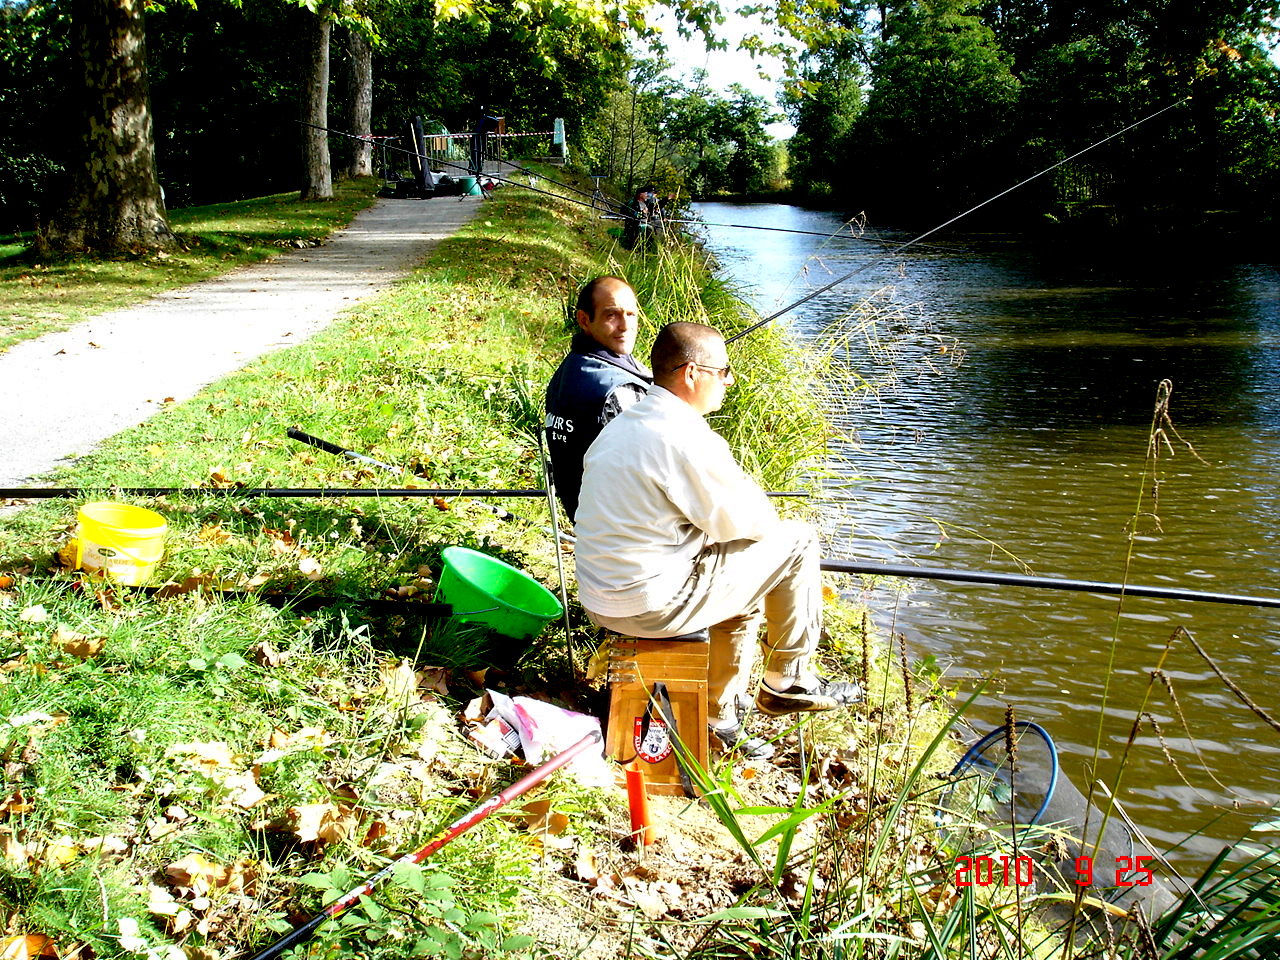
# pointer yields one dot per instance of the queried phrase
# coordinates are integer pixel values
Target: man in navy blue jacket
(595, 382)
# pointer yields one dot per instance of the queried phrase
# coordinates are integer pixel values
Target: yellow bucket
(120, 541)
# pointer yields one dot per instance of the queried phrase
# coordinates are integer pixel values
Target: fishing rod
(293, 433)
(300, 493)
(907, 571)
(942, 226)
(840, 234)
(297, 493)
(464, 823)
(568, 186)
(621, 208)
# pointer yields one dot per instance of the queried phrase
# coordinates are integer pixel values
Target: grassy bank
(207, 763)
(39, 295)
(199, 768)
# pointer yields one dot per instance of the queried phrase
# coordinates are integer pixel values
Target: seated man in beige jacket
(674, 537)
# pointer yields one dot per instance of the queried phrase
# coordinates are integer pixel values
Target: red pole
(461, 825)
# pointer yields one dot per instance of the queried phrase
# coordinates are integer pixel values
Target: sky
(725, 67)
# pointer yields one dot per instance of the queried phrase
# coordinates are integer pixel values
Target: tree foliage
(685, 138)
(967, 97)
(228, 78)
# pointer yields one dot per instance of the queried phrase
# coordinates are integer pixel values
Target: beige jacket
(658, 485)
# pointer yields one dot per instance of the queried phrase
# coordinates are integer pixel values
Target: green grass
(40, 295)
(140, 732)
(141, 753)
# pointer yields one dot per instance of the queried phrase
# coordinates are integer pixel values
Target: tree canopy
(909, 109)
(963, 98)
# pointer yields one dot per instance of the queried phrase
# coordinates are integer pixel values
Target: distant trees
(963, 98)
(936, 128)
(659, 129)
(225, 80)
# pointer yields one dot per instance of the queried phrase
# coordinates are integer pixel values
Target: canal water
(997, 409)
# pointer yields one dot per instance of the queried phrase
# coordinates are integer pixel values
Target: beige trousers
(725, 590)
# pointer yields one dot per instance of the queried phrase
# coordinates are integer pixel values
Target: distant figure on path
(484, 125)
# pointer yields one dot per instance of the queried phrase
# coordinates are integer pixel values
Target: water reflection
(1011, 433)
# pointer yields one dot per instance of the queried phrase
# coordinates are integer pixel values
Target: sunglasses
(725, 372)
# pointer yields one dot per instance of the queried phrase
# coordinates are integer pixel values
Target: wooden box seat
(640, 670)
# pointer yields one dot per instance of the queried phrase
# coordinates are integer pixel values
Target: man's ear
(583, 319)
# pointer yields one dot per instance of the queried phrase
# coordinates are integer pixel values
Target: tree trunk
(317, 171)
(361, 94)
(115, 205)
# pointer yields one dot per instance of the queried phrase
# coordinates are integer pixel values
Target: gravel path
(63, 393)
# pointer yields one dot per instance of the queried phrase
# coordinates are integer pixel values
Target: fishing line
(618, 206)
(568, 186)
(960, 216)
(839, 234)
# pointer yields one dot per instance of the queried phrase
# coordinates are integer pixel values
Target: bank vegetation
(192, 771)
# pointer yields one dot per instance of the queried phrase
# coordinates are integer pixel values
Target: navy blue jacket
(591, 386)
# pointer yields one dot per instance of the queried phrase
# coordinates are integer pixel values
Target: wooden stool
(636, 727)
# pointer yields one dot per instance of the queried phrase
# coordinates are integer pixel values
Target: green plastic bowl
(484, 590)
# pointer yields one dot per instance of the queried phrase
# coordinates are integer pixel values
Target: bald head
(681, 343)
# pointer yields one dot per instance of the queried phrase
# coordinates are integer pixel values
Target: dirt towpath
(63, 393)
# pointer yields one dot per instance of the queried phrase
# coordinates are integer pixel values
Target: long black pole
(907, 571)
(300, 493)
(836, 566)
(53, 493)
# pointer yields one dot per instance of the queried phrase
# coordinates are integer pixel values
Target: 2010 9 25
(984, 871)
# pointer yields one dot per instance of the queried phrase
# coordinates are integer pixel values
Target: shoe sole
(781, 706)
(777, 705)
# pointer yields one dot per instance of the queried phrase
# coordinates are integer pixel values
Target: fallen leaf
(27, 947)
(201, 874)
(35, 614)
(653, 906)
(189, 585)
(310, 568)
(585, 865)
(77, 644)
(257, 580)
(265, 655)
(306, 738)
(244, 790)
(62, 851)
(377, 830)
(209, 756)
(15, 803)
(107, 844)
(213, 533)
(160, 902)
(13, 850)
(281, 540)
(324, 822)
(435, 679)
(400, 682)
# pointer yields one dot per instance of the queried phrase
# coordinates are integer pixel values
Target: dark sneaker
(735, 738)
(825, 695)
